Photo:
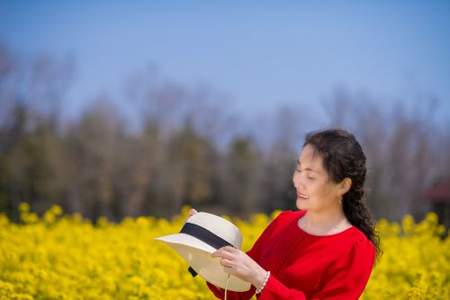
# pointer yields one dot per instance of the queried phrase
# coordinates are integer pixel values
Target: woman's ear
(345, 185)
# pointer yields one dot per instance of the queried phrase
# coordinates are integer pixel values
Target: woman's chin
(301, 203)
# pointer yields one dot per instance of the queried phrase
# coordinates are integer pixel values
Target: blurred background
(119, 108)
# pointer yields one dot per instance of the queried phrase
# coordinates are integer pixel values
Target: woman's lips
(301, 196)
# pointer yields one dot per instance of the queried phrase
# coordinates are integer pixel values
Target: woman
(326, 249)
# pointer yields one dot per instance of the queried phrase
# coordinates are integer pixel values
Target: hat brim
(198, 255)
(187, 240)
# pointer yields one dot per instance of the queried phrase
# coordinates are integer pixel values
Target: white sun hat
(202, 234)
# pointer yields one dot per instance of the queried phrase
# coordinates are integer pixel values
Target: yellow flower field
(66, 257)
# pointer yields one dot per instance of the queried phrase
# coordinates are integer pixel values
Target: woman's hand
(241, 265)
(192, 212)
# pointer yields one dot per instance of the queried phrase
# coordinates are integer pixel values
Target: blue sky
(262, 53)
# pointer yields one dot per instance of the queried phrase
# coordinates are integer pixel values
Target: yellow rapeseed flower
(67, 257)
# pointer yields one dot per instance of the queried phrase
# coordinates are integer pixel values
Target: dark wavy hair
(343, 157)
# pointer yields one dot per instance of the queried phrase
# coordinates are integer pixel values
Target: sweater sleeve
(254, 253)
(345, 280)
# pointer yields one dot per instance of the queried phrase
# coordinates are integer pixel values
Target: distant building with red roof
(439, 196)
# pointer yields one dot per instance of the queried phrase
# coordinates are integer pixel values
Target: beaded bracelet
(264, 283)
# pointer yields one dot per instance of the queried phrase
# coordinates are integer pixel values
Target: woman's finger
(222, 254)
(229, 249)
(226, 262)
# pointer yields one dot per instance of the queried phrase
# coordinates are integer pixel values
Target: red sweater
(306, 266)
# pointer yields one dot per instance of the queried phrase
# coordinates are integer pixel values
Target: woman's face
(315, 190)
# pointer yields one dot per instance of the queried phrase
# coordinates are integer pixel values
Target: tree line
(165, 145)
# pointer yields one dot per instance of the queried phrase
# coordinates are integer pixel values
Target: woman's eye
(298, 170)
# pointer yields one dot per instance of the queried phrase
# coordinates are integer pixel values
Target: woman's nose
(296, 180)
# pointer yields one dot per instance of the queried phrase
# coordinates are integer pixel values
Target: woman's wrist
(259, 278)
(262, 286)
